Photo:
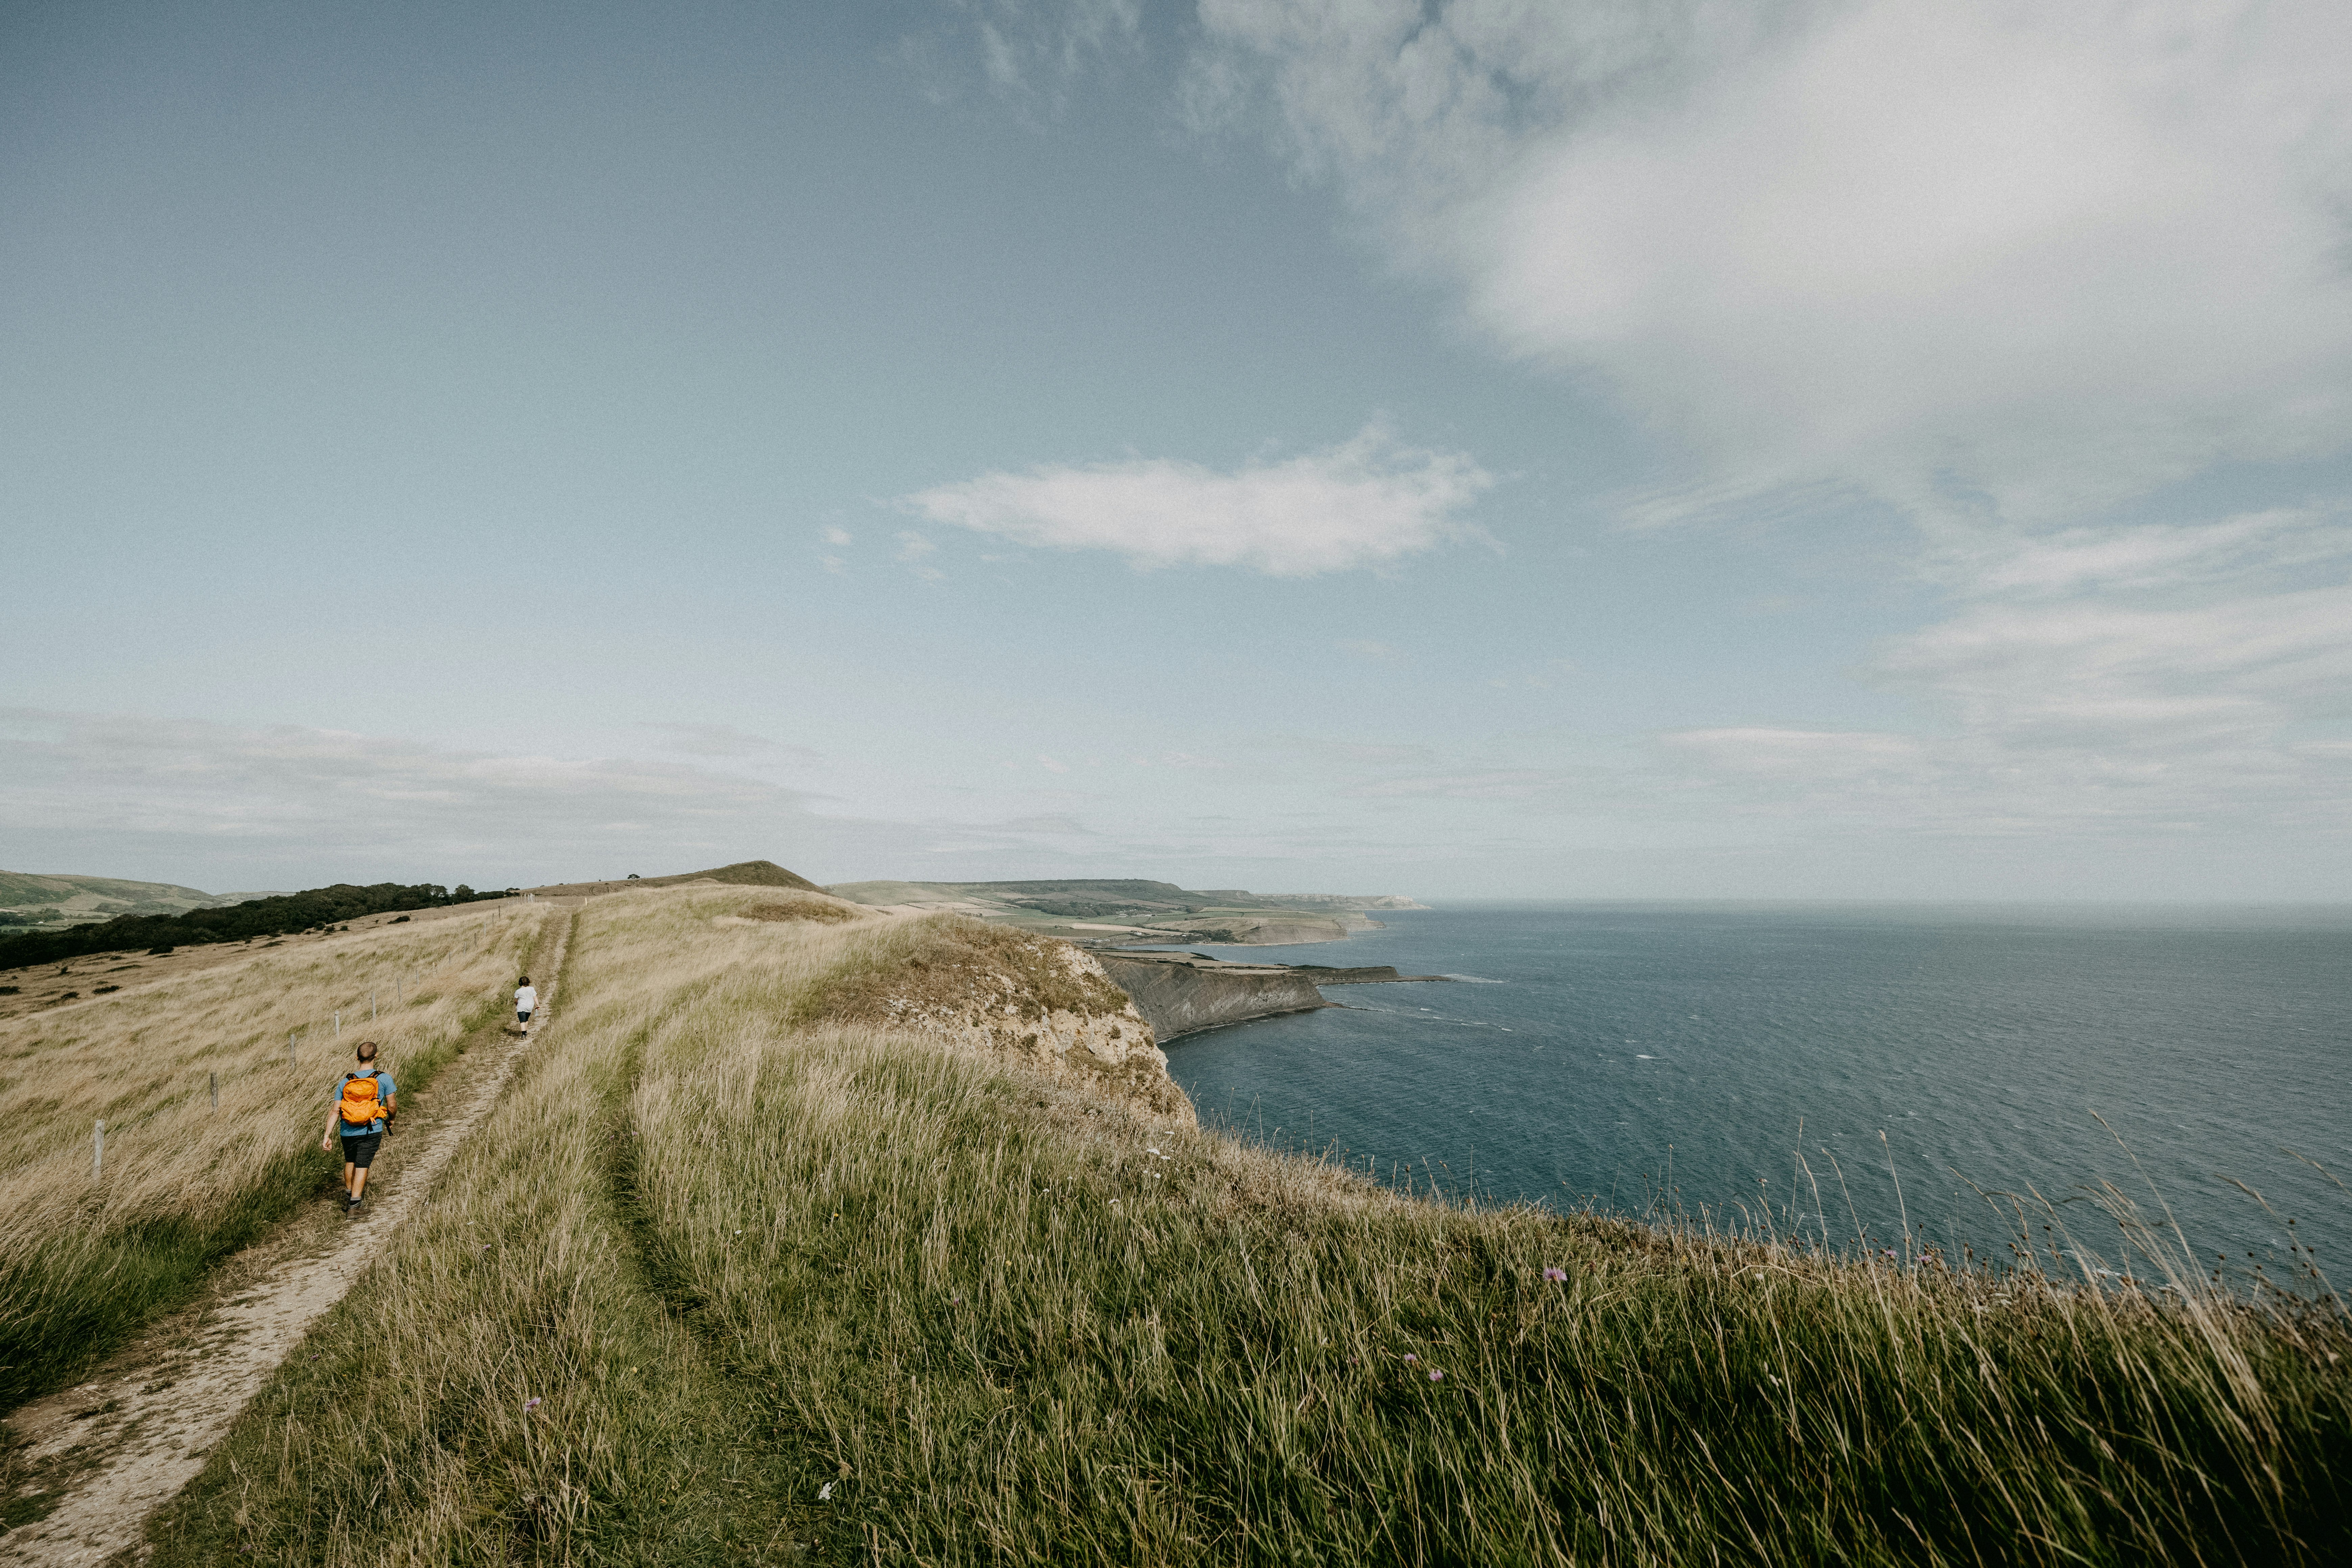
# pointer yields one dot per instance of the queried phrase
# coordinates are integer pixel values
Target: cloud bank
(1369, 501)
(2018, 270)
(220, 804)
(2056, 254)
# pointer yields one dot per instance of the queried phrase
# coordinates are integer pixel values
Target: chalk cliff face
(1181, 994)
(1048, 1004)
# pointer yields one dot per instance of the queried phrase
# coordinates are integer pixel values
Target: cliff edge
(1006, 992)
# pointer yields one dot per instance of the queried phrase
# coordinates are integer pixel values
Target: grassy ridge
(528, 1392)
(737, 1253)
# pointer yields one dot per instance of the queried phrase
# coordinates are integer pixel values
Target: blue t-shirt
(385, 1090)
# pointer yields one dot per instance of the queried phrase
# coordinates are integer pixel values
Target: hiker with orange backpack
(362, 1112)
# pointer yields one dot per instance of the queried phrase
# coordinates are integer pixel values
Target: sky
(1650, 449)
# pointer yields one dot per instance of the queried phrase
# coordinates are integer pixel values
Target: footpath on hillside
(124, 1444)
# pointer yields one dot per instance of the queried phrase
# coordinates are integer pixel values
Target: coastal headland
(1185, 993)
(1179, 993)
(803, 1230)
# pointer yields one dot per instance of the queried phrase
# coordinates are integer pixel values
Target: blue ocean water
(1685, 1056)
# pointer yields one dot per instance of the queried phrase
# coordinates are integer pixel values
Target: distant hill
(746, 874)
(742, 874)
(28, 897)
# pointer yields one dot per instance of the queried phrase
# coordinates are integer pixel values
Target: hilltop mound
(741, 874)
(746, 874)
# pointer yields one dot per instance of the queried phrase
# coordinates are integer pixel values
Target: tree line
(282, 915)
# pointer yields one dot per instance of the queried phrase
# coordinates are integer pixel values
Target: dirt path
(147, 1430)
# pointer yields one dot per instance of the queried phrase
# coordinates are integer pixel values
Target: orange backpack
(363, 1099)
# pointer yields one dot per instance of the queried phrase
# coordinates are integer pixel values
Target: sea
(2100, 1084)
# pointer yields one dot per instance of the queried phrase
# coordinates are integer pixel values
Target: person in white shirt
(526, 1004)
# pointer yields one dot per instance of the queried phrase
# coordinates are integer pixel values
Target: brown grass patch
(945, 963)
(825, 911)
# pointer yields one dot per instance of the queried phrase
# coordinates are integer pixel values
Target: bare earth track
(149, 1427)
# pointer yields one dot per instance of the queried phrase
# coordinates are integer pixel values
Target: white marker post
(339, 1026)
(290, 1048)
(98, 1150)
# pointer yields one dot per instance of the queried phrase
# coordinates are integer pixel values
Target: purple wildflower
(530, 1404)
(1436, 1376)
(1410, 1358)
(1557, 1276)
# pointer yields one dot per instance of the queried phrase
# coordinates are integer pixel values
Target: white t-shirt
(526, 999)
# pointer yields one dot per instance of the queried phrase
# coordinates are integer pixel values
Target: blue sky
(1863, 451)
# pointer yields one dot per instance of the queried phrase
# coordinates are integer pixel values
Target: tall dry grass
(721, 1253)
(86, 1256)
(1029, 1338)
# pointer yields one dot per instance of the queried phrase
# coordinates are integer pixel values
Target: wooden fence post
(215, 1078)
(96, 1150)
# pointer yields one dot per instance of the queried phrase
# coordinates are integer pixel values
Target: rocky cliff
(1181, 993)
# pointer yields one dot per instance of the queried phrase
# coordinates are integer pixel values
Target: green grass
(1025, 1348)
(72, 1303)
(738, 1253)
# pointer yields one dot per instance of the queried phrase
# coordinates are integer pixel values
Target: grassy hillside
(31, 899)
(19, 887)
(736, 1277)
(84, 1261)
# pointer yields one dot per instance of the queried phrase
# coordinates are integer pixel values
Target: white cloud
(839, 537)
(1366, 502)
(1028, 51)
(915, 553)
(2057, 254)
(2008, 266)
(2228, 553)
(2076, 713)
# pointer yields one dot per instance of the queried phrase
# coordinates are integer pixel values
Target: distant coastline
(1099, 912)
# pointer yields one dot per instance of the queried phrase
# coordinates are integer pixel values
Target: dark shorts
(359, 1148)
(522, 1015)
